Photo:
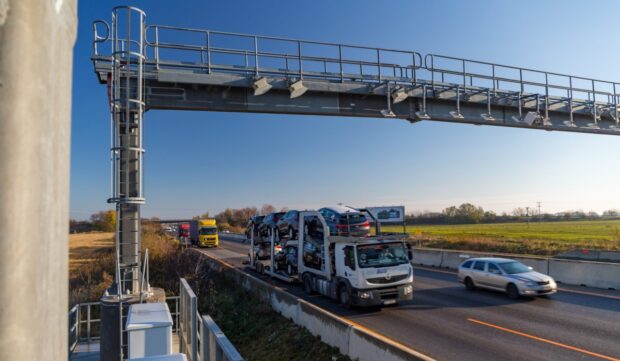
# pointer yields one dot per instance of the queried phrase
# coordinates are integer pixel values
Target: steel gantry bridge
(167, 67)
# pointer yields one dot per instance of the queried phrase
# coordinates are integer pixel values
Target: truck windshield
(381, 255)
(208, 231)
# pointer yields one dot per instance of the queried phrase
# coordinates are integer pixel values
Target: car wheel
(469, 284)
(512, 291)
(344, 298)
(308, 285)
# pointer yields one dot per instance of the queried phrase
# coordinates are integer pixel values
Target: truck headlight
(408, 289)
(364, 294)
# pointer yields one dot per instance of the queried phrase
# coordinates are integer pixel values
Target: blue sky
(207, 161)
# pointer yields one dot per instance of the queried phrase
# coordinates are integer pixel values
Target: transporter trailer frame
(326, 280)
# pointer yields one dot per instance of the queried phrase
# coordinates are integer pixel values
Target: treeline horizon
(468, 213)
(235, 219)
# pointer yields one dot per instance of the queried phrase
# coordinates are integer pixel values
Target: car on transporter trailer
(345, 221)
(506, 275)
(252, 226)
(288, 225)
(268, 224)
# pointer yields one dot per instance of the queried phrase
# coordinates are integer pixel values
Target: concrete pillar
(36, 57)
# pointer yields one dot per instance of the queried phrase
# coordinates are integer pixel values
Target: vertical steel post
(546, 96)
(464, 76)
(157, 47)
(594, 103)
(340, 63)
(615, 105)
(301, 69)
(208, 52)
(256, 56)
(379, 64)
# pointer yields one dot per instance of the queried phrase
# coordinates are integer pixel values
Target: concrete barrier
(571, 272)
(585, 273)
(591, 255)
(427, 257)
(235, 236)
(351, 339)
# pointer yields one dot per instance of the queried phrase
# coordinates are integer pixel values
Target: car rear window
(467, 264)
(479, 266)
(352, 218)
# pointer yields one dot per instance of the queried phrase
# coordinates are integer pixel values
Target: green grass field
(545, 238)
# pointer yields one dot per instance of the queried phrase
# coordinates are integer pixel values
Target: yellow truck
(203, 233)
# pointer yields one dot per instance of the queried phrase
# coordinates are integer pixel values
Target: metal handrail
(204, 341)
(187, 321)
(74, 324)
(430, 66)
(215, 343)
(145, 274)
(264, 37)
(299, 57)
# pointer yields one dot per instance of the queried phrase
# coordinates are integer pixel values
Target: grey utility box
(149, 330)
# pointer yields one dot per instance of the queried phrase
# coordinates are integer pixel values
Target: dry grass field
(85, 247)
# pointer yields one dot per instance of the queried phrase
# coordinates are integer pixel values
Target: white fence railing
(200, 339)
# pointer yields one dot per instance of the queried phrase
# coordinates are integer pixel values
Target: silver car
(507, 275)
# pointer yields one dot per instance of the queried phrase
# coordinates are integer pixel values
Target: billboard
(391, 214)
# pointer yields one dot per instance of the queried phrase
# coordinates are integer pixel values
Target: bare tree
(265, 209)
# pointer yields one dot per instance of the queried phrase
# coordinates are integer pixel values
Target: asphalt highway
(447, 322)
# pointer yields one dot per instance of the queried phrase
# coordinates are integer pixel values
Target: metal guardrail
(214, 344)
(188, 321)
(547, 88)
(84, 324)
(263, 55)
(200, 339)
(73, 327)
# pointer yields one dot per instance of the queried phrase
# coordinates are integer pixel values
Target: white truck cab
(357, 271)
(373, 272)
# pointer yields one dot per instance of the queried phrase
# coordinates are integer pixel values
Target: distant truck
(203, 233)
(183, 233)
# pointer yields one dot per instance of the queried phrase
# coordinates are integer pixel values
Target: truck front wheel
(344, 297)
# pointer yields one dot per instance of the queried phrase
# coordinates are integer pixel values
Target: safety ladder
(126, 153)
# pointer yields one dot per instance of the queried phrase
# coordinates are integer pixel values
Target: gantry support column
(36, 57)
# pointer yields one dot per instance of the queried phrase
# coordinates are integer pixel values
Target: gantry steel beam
(287, 76)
